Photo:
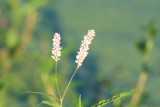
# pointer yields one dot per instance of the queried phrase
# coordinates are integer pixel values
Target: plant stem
(57, 81)
(68, 85)
(140, 87)
(145, 67)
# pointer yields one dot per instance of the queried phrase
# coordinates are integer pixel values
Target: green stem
(69, 84)
(57, 81)
(61, 101)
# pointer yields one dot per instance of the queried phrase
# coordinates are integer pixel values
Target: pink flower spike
(56, 53)
(84, 47)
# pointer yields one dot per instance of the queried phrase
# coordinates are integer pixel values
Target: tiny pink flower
(56, 53)
(84, 47)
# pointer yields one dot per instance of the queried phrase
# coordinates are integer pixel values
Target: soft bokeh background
(113, 64)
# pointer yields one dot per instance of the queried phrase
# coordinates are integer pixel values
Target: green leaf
(50, 104)
(80, 102)
(47, 103)
(104, 102)
(12, 39)
(40, 93)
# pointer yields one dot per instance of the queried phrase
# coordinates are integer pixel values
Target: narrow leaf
(50, 104)
(34, 92)
(80, 102)
(104, 102)
(47, 103)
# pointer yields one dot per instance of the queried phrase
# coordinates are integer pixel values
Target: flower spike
(83, 51)
(56, 53)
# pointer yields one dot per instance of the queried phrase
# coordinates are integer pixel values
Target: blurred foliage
(112, 66)
(146, 48)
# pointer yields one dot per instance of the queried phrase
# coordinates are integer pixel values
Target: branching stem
(66, 89)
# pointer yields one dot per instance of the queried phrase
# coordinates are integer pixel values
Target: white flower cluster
(56, 47)
(84, 47)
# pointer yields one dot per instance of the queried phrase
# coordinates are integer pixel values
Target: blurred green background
(113, 64)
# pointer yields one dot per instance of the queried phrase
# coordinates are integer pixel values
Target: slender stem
(57, 81)
(139, 88)
(69, 84)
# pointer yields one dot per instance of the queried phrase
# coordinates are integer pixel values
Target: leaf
(34, 92)
(104, 102)
(47, 103)
(50, 104)
(80, 101)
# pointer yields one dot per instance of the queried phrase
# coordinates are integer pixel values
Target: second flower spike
(83, 51)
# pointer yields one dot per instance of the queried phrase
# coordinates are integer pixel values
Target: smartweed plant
(83, 51)
(81, 54)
